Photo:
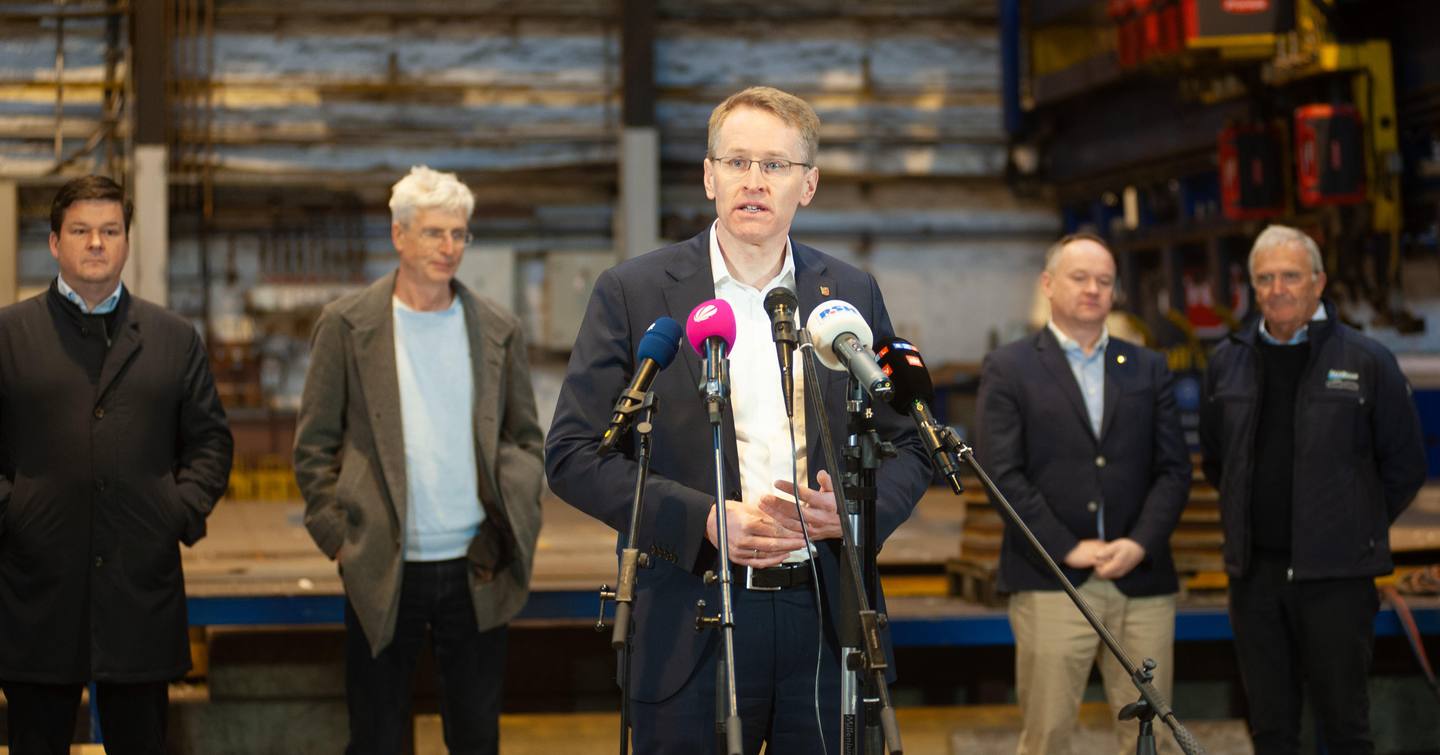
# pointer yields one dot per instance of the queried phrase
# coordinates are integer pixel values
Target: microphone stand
(1151, 702)
(863, 656)
(631, 560)
(715, 391)
(863, 451)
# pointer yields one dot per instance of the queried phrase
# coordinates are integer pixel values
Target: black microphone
(655, 353)
(781, 304)
(841, 338)
(913, 395)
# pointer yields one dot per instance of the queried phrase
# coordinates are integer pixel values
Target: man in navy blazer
(759, 171)
(1080, 432)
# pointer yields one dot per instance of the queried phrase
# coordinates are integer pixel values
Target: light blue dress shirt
(103, 308)
(1089, 371)
(1301, 336)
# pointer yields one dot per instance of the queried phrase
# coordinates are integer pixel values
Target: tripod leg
(625, 701)
(1145, 743)
(720, 712)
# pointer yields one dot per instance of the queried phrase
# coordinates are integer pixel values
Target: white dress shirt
(762, 434)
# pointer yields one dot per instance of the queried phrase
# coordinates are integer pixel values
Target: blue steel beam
(981, 629)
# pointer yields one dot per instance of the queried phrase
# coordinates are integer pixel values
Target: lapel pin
(1120, 359)
(824, 290)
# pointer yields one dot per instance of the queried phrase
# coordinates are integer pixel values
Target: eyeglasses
(1288, 278)
(434, 237)
(771, 167)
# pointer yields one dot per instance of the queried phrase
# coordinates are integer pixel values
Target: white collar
(720, 273)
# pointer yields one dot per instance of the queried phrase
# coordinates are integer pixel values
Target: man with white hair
(419, 457)
(1312, 438)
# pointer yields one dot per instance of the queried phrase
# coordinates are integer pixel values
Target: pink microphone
(711, 331)
(710, 319)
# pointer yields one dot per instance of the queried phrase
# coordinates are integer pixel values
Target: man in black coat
(1313, 440)
(1080, 432)
(113, 450)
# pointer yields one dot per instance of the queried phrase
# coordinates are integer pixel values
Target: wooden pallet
(974, 581)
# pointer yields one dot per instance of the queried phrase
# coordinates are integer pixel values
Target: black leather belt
(778, 577)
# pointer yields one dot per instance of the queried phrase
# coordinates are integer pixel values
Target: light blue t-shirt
(432, 362)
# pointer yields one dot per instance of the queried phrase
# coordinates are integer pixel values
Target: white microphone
(841, 338)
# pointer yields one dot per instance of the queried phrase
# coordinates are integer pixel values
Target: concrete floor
(969, 730)
(75, 749)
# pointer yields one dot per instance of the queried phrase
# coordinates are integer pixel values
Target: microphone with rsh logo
(711, 332)
(842, 342)
(655, 353)
(913, 395)
(780, 303)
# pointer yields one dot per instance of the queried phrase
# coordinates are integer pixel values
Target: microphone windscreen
(827, 321)
(901, 361)
(780, 296)
(710, 319)
(660, 342)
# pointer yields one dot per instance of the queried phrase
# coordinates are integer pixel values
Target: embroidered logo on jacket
(1342, 380)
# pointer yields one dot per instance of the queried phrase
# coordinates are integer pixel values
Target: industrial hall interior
(817, 377)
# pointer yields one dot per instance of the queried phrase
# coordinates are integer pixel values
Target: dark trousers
(470, 666)
(1312, 638)
(776, 635)
(41, 717)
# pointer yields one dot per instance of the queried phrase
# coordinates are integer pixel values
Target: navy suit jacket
(679, 491)
(1035, 440)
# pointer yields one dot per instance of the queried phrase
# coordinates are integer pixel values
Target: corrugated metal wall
(299, 115)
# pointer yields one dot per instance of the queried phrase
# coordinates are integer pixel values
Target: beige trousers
(1055, 648)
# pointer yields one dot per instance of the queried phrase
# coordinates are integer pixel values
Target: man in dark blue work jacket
(1311, 435)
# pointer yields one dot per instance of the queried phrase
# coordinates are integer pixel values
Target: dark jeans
(775, 643)
(42, 717)
(470, 666)
(1311, 638)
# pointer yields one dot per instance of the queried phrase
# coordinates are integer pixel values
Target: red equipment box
(1217, 23)
(1252, 177)
(1129, 32)
(1329, 155)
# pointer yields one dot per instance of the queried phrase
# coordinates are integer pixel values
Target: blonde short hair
(790, 109)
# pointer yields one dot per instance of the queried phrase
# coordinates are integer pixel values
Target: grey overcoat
(350, 456)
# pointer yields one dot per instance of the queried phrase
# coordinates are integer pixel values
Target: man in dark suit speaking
(1080, 432)
(759, 171)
